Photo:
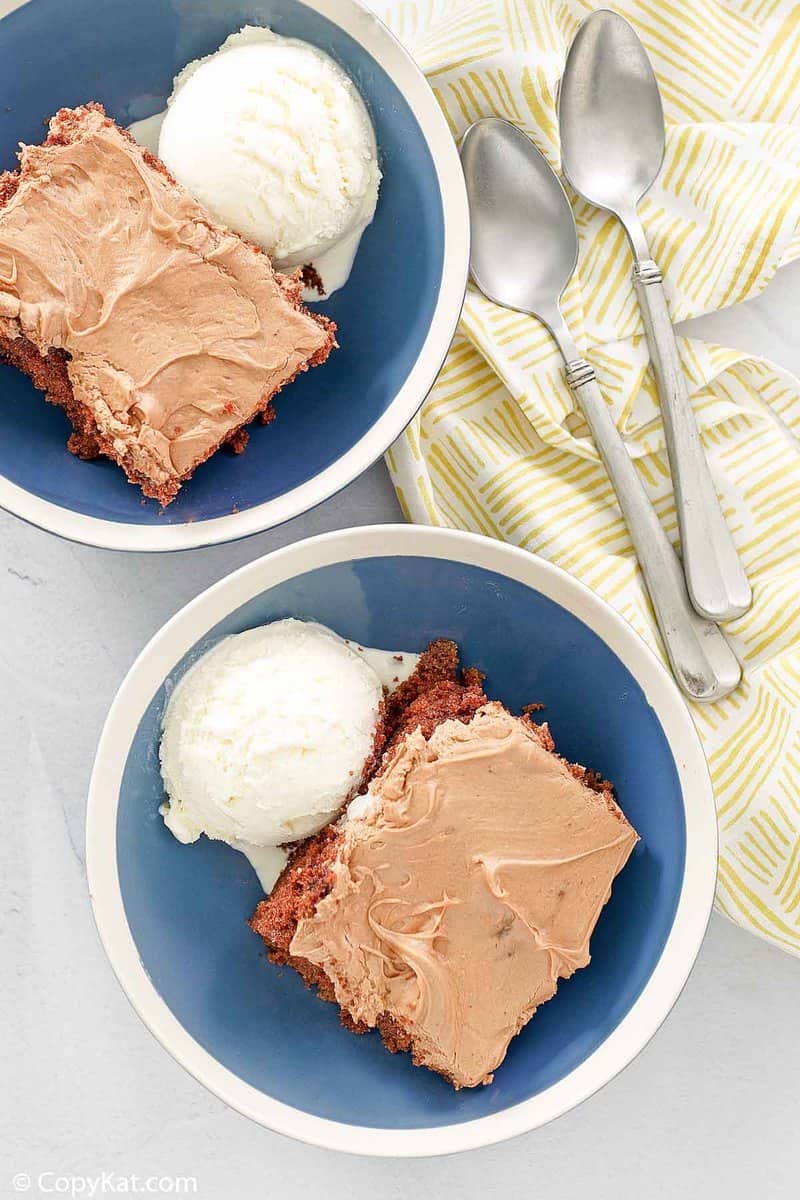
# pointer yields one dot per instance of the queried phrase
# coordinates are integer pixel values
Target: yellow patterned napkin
(499, 447)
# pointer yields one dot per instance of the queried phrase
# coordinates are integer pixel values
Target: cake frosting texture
(466, 886)
(175, 332)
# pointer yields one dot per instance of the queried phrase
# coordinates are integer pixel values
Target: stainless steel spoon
(524, 252)
(612, 147)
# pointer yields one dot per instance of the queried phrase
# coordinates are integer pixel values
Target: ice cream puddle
(146, 132)
(266, 861)
(391, 668)
(269, 735)
(271, 135)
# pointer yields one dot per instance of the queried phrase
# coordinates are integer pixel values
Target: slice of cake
(446, 904)
(159, 332)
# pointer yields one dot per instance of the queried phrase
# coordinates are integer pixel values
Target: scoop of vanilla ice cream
(267, 736)
(271, 135)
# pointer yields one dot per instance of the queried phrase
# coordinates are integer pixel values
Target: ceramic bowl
(396, 315)
(172, 917)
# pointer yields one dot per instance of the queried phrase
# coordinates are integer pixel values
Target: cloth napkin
(499, 447)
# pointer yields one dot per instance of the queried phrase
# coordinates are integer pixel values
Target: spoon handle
(715, 577)
(702, 661)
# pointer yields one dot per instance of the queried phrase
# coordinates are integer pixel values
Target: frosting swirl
(469, 887)
(176, 329)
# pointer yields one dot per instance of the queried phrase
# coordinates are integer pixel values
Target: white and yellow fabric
(499, 447)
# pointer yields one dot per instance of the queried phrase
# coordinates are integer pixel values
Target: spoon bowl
(523, 241)
(611, 122)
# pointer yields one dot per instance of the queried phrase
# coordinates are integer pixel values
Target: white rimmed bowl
(172, 917)
(396, 315)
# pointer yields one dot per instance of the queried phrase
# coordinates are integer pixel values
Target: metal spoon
(612, 147)
(524, 252)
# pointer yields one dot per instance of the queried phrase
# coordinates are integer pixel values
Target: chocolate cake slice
(160, 333)
(448, 901)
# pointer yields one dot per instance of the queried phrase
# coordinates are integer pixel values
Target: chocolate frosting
(469, 886)
(177, 329)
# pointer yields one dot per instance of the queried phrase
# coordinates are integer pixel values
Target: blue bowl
(396, 315)
(172, 917)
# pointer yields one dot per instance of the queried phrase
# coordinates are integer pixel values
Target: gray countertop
(709, 1108)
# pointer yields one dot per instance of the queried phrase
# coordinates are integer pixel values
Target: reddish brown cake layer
(160, 333)
(403, 938)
